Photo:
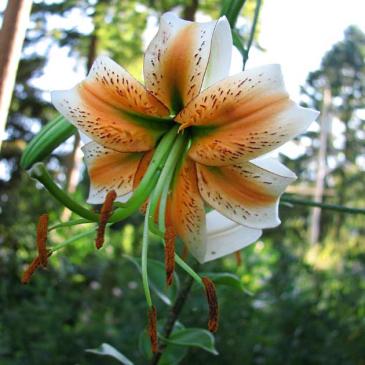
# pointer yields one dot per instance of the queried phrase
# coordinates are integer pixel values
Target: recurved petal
(113, 109)
(243, 117)
(247, 193)
(177, 58)
(225, 236)
(109, 170)
(187, 209)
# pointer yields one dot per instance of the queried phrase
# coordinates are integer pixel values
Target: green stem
(310, 203)
(145, 283)
(253, 31)
(188, 269)
(73, 239)
(166, 176)
(234, 11)
(74, 222)
(149, 180)
(39, 172)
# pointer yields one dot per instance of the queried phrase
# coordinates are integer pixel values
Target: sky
(297, 33)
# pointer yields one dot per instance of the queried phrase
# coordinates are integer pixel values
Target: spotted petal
(109, 170)
(247, 193)
(243, 117)
(187, 209)
(113, 109)
(177, 58)
(225, 236)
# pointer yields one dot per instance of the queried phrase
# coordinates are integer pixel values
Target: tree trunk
(12, 35)
(325, 123)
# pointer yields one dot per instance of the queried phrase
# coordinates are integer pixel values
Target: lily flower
(227, 124)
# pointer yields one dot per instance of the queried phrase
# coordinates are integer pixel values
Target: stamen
(152, 328)
(170, 236)
(42, 229)
(185, 252)
(34, 265)
(105, 213)
(212, 303)
(30, 270)
(238, 258)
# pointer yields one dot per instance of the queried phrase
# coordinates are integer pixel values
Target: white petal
(220, 54)
(84, 138)
(274, 166)
(225, 236)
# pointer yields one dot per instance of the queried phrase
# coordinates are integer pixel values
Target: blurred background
(304, 298)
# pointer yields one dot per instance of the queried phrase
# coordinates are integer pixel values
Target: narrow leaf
(194, 337)
(107, 350)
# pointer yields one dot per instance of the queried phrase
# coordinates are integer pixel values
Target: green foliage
(107, 350)
(193, 337)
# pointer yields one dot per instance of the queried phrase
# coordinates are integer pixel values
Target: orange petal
(243, 117)
(113, 109)
(109, 170)
(177, 58)
(142, 168)
(248, 193)
(187, 209)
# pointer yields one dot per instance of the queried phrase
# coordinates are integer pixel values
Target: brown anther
(152, 328)
(185, 252)
(105, 212)
(212, 303)
(170, 236)
(238, 258)
(42, 230)
(34, 265)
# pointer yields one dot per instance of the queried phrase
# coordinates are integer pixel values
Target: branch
(311, 203)
(173, 316)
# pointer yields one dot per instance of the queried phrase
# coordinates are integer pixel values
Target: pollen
(212, 303)
(34, 265)
(42, 229)
(152, 328)
(185, 252)
(105, 212)
(170, 236)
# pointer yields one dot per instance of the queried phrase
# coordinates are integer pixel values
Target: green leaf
(227, 279)
(172, 354)
(107, 350)
(157, 279)
(238, 42)
(193, 337)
